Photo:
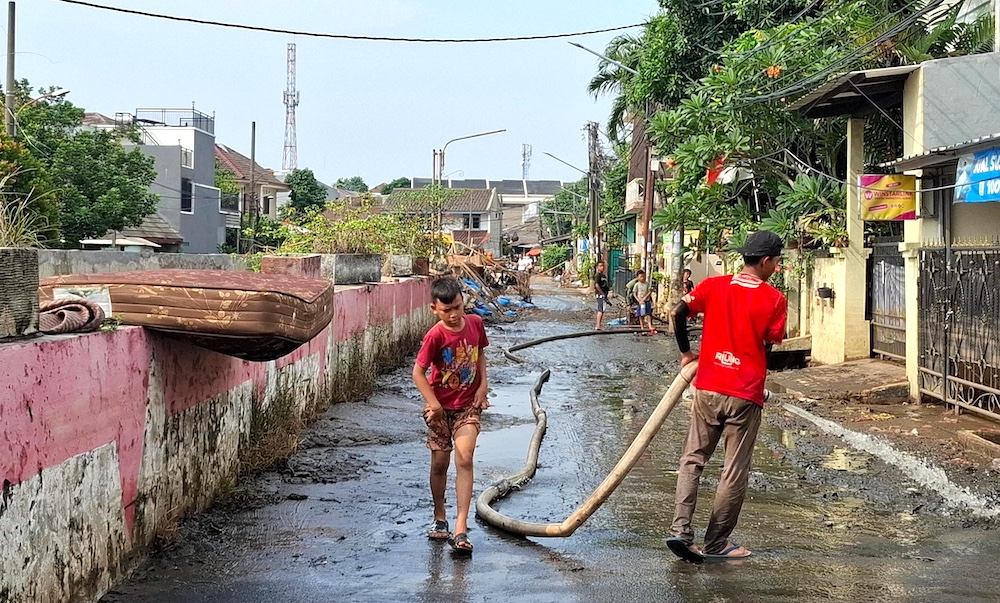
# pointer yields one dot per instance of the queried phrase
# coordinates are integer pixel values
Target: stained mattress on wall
(244, 314)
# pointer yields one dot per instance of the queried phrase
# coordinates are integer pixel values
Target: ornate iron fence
(887, 298)
(960, 328)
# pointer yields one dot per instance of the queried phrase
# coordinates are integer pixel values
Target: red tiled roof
(239, 165)
(465, 199)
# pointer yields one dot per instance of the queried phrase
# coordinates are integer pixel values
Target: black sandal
(460, 543)
(440, 530)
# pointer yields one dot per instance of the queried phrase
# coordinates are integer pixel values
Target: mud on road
(344, 519)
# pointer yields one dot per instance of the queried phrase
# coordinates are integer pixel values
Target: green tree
(102, 186)
(354, 183)
(27, 190)
(307, 192)
(567, 207)
(401, 182)
(225, 179)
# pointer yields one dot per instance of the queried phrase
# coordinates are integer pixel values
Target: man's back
(742, 312)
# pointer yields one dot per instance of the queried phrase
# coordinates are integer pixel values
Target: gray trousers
(714, 417)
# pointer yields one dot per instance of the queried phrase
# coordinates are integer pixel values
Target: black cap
(762, 243)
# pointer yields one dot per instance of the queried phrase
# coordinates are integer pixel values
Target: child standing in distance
(455, 396)
(643, 293)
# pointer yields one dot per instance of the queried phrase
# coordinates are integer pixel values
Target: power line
(871, 188)
(343, 36)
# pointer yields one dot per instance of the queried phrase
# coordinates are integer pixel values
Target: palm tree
(611, 78)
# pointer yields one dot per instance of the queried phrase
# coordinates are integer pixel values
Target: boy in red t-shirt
(743, 316)
(455, 396)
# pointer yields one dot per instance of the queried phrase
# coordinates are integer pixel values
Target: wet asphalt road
(826, 523)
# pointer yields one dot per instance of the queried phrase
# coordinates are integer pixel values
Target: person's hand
(481, 401)
(687, 358)
(433, 413)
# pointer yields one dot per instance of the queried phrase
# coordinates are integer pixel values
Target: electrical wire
(870, 188)
(858, 52)
(343, 36)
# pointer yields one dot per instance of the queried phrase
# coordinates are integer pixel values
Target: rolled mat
(69, 315)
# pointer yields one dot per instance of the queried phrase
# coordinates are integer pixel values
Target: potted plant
(19, 243)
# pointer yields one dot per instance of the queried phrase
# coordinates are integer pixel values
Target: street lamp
(612, 61)
(13, 111)
(438, 172)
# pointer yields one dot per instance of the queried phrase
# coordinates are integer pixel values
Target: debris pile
(490, 287)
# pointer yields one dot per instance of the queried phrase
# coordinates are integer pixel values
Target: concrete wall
(167, 183)
(54, 262)
(108, 437)
(959, 99)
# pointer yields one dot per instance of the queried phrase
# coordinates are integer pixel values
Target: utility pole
(648, 193)
(594, 189)
(10, 98)
(252, 196)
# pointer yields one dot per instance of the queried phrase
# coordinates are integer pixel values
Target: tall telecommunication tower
(290, 156)
(525, 160)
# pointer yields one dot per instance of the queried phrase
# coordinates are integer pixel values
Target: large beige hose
(628, 460)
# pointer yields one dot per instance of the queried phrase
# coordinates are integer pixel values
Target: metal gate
(960, 328)
(887, 299)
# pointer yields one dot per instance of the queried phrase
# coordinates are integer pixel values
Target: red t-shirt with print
(742, 313)
(452, 358)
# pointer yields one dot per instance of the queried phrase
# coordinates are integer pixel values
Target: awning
(943, 155)
(856, 93)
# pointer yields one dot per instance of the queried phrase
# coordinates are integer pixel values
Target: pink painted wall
(65, 396)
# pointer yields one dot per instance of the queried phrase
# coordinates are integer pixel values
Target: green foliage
(225, 179)
(755, 61)
(19, 225)
(401, 182)
(307, 192)
(615, 180)
(354, 183)
(404, 230)
(102, 186)
(267, 233)
(587, 267)
(555, 255)
(567, 206)
(28, 194)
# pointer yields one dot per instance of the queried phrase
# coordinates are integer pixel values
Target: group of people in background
(639, 294)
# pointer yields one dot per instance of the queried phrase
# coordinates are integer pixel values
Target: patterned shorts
(441, 433)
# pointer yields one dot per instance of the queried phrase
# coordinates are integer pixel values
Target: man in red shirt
(743, 316)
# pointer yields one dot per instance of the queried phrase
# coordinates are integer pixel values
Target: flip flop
(685, 550)
(726, 553)
(440, 530)
(460, 543)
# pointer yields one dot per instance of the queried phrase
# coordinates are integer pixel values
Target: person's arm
(481, 401)
(432, 408)
(680, 315)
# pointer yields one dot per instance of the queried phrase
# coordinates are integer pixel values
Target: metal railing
(959, 333)
(184, 118)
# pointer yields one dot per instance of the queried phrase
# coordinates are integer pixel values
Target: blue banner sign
(978, 177)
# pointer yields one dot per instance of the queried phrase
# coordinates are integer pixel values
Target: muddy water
(826, 522)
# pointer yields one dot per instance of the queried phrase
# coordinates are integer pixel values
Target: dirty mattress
(243, 314)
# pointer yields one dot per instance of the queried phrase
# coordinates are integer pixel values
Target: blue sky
(374, 109)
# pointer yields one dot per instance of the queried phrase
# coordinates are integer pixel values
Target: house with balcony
(190, 217)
